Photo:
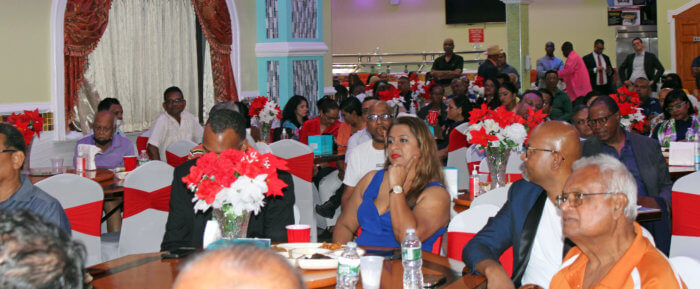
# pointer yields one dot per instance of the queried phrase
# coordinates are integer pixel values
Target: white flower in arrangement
(245, 194)
(491, 126)
(268, 113)
(476, 90)
(516, 133)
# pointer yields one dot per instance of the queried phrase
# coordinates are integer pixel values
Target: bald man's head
(553, 146)
(241, 267)
(103, 127)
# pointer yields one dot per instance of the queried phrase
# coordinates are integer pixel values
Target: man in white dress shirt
(172, 125)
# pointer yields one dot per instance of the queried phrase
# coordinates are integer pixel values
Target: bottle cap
(410, 231)
(351, 245)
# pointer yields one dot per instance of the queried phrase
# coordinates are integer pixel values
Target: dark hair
(510, 87)
(38, 254)
(326, 104)
(404, 77)
(106, 103)
(544, 91)
(599, 41)
(436, 86)
(503, 76)
(668, 84)
(673, 95)
(351, 105)
(608, 101)
(354, 79)
(230, 105)
(496, 101)
(244, 108)
(578, 108)
(13, 138)
(377, 84)
(171, 89)
(637, 38)
(567, 45)
(535, 92)
(551, 71)
(289, 112)
(462, 102)
(675, 82)
(341, 93)
(352, 88)
(223, 119)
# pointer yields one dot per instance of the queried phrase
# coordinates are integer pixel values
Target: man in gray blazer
(641, 155)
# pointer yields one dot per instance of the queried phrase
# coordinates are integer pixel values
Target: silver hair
(615, 178)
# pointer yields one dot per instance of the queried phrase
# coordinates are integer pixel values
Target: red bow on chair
(175, 160)
(685, 214)
(302, 166)
(85, 218)
(137, 201)
(457, 141)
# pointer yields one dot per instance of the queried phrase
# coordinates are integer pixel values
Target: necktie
(600, 73)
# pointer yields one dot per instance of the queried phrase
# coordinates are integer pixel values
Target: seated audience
(114, 146)
(650, 106)
(642, 156)
(404, 86)
(362, 135)
(16, 191)
(351, 111)
(610, 251)
(508, 94)
(459, 87)
(681, 121)
(239, 267)
(580, 121)
(326, 123)
(659, 118)
(458, 109)
(491, 98)
(561, 102)
(547, 98)
(174, 124)
(529, 221)
(294, 114)
(35, 253)
(532, 99)
(407, 193)
(435, 113)
(113, 105)
(225, 129)
(502, 78)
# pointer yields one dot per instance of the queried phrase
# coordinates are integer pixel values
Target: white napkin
(681, 154)
(89, 151)
(212, 233)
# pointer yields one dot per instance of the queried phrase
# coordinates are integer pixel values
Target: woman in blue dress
(295, 113)
(407, 193)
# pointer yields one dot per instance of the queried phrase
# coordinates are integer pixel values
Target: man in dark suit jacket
(225, 129)
(641, 155)
(552, 148)
(489, 68)
(600, 71)
(650, 65)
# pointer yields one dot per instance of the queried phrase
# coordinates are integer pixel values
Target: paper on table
(212, 233)
(681, 154)
(452, 181)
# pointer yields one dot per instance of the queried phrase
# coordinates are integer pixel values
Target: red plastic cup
(298, 233)
(130, 163)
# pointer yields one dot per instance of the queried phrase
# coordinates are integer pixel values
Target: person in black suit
(552, 148)
(641, 64)
(600, 71)
(225, 129)
(641, 155)
(489, 68)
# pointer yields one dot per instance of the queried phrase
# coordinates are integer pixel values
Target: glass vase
(265, 132)
(497, 160)
(232, 226)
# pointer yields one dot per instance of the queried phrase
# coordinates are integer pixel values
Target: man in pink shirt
(574, 73)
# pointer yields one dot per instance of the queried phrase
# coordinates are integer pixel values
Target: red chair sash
(302, 166)
(137, 201)
(174, 160)
(437, 246)
(685, 214)
(457, 240)
(141, 143)
(85, 218)
(457, 141)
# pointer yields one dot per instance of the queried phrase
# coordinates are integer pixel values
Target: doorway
(687, 43)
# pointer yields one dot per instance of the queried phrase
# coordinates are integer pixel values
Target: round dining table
(150, 270)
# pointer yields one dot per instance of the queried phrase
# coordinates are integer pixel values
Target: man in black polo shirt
(447, 67)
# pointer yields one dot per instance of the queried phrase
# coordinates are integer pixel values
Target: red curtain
(216, 25)
(85, 22)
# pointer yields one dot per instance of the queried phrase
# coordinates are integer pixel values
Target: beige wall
(664, 29)
(25, 74)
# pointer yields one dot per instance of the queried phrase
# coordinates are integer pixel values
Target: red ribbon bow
(137, 201)
(458, 140)
(302, 166)
(85, 218)
(175, 160)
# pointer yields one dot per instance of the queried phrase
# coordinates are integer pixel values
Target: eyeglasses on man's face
(375, 117)
(173, 101)
(528, 150)
(8, 151)
(594, 122)
(576, 199)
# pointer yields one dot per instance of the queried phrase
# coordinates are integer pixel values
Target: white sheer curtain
(148, 46)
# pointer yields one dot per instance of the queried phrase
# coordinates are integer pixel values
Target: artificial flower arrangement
(631, 115)
(28, 123)
(391, 96)
(501, 128)
(476, 87)
(264, 111)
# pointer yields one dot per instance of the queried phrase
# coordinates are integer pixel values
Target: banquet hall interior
(67, 61)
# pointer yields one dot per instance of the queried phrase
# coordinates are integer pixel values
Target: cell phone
(178, 253)
(432, 280)
(388, 254)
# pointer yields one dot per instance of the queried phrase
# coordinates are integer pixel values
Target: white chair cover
(685, 239)
(458, 159)
(687, 269)
(496, 197)
(181, 147)
(71, 191)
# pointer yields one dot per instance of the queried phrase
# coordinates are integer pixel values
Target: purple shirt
(114, 156)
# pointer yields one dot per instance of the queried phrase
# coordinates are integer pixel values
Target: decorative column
(290, 49)
(517, 33)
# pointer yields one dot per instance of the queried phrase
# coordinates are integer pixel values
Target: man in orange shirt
(599, 206)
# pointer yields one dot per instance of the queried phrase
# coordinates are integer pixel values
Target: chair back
(685, 201)
(687, 269)
(146, 204)
(457, 155)
(300, 160)
(177, 152)
(81, 199)
(466, 225)
(142, 141)
(497, 197)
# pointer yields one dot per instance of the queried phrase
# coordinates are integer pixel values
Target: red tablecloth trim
(302, 166)
(457, 240)
(685, 214)
(137, 201)
(175, 160)
(457, 141)
(85, 218)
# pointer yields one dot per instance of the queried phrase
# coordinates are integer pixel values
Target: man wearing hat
(489, 69)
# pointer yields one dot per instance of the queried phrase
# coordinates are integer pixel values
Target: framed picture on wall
(623, 3)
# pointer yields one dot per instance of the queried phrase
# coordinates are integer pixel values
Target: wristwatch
(397, 190)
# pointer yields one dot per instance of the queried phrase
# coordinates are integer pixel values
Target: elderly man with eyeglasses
(529, 221)
(598, 208)
(174, 124)
(641, 155)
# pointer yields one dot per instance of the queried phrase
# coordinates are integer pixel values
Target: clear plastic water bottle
(348, 267)
(412, 260)
(143, 157)
(697, 150)
(284, 134)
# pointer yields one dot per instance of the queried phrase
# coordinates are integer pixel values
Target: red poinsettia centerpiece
(501, 128)
(28, 123)
(631, 115)
(234, 178)
(391, 96)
